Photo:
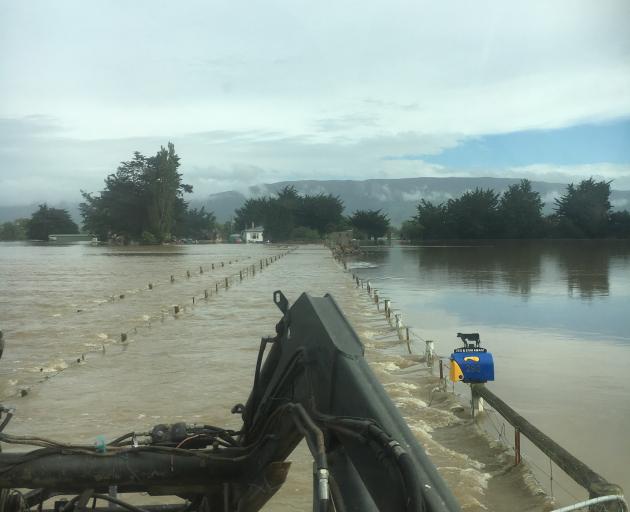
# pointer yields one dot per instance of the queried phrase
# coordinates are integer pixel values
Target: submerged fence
(603, 495)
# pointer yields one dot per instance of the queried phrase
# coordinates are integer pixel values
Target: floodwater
(63, 310)
(555, 315)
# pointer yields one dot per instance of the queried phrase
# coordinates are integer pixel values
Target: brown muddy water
(556, 316)
(62, 315)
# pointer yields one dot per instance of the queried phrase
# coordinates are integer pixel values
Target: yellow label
(456, 372)
(472, 358)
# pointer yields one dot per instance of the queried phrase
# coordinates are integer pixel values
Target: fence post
(517, 446)
(429, 354)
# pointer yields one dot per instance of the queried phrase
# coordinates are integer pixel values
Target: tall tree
(475, 214)
(163, 187)
(197, 224)
(15, 230)
(432, 220)
(321, 212)
(520, 211)
(371, 223)
(584, 210)
(47, 221)
(254, 211)
(143, 199)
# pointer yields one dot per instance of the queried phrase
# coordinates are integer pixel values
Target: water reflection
(508, 266)
(519, 267)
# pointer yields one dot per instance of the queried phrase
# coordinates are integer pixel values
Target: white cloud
(253, 92)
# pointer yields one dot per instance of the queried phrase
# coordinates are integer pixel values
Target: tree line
(143, 201)
(291, 216)
(583, 211)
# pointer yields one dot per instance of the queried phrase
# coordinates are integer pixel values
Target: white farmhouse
(253, 235)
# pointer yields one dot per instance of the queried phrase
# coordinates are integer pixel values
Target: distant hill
(10, 213)
(397, 197)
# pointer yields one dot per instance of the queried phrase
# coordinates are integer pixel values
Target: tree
(287, 211)
(620, 224)
(163, 186)
(197, 224)
(370, 223)
(520, 211)
(15, 230)
(474, 214)
(411, 230)
(254, 211)
(432, 220)
(143, 199)
(584, 211)
(46, 221)
(323, 213)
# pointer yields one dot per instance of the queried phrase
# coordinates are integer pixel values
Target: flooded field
(555, 316)
(63, 310)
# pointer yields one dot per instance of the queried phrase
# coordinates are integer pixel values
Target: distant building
(253, 235)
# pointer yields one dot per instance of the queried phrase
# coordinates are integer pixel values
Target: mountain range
(397, 197)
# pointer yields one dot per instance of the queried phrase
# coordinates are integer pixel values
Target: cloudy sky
(253, 91)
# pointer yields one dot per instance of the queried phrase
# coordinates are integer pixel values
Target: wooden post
(123, 336)
(193, 300)
(122, 296)
(429, 352)
(477, 405)
(240, 273)
(517, 446)
(205, 294)
(213, 266)
(216, 285)
(172, 279)
(176, 309)
(222, 264)
(226, 283)
(150, 286)
(200, 269)
(188, 274)
(441, 370)
(369, 288)
(253, 270)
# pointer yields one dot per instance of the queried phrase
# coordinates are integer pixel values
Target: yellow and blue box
(472, 366)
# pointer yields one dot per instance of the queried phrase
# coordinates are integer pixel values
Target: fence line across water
(224, 283)
(603, 495)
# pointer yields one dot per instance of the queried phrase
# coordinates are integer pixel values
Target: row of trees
(291, 216)
(144, 200)
(45, 221)
(584, 211)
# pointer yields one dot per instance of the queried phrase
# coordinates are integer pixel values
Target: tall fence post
(517, 446)
(429, 354)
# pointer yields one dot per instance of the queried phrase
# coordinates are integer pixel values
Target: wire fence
(211, 289)
(498, 424)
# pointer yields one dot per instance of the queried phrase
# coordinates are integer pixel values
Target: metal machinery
(314, 384)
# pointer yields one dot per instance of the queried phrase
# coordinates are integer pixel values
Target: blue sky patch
(575, 145)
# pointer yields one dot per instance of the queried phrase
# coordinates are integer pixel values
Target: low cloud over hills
(397, 197)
